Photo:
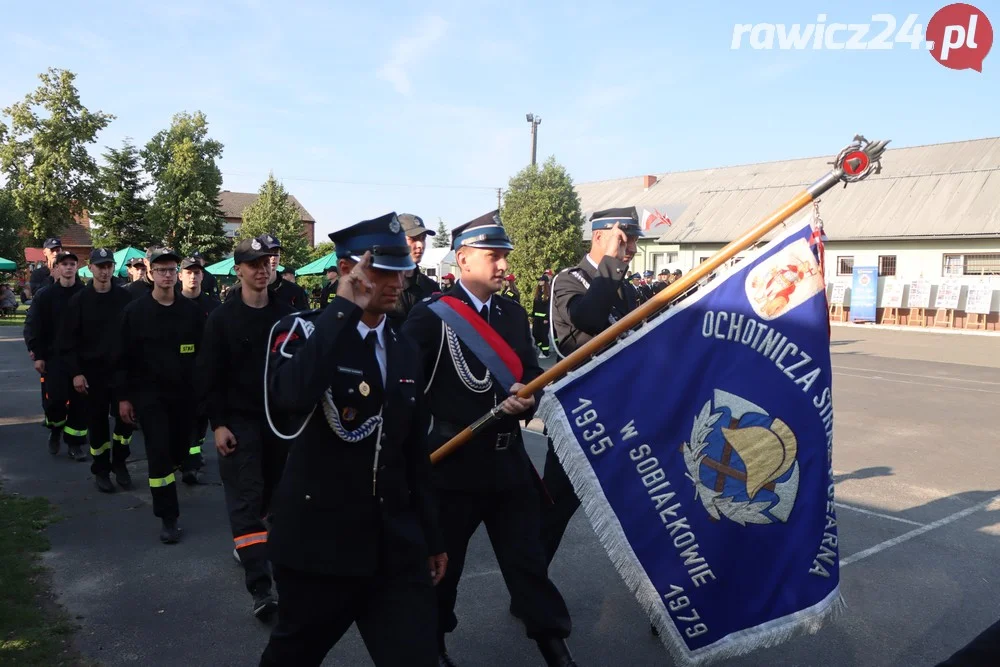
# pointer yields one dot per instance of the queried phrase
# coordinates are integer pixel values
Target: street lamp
(535, 122)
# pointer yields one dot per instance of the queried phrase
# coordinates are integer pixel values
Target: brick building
(232, 205)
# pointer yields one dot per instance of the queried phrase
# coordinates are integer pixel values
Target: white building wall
(915, 259)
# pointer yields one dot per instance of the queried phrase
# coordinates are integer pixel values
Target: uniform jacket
(88, 329)
(328, 518)
(478, 465)
(579, 313)
(41, 324)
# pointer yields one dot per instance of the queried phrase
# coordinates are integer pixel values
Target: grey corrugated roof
(232, 204)
(939, 190)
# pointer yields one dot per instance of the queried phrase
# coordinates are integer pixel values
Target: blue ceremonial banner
(864, 293)
(716, 504)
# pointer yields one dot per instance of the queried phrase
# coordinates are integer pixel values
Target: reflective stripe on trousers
(250, 539)
(156, 482)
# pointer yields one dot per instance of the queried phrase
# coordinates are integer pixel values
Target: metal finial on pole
(535, 122)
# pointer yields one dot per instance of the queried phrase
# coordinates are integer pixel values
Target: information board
(837, 295)
(920, 294)
(948, 294)
(979, 299)
(864, 293)
(892, 294)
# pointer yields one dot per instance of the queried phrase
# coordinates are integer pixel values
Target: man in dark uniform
(416, 285)
(42, 276)
(490, 480)
(159, 338)
(192, 288)
(662, 280)
(230, 375)
(586, 300)
(330, 289)
(143, 284)
(646, 289)
(86, 348)
(209, 285)
(284, 291)
(65, 414)
(136, 268)
(354, 535)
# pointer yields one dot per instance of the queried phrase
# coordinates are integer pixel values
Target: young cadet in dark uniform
(86, 342)
(354, 536)
(284, 291)
(144, 285)
(330, 289)
(416, 285)
(510, 289)
(192, 276)
(42, 277)
(489, 480)
(159, 338)
(209, 285)
(540, 315)
(136, 268)
(586, 300)
(231, 378)
(65, 414)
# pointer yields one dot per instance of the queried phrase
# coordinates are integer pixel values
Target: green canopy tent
(227, 268)
(318, 266)
(7, 265)
(121, 256)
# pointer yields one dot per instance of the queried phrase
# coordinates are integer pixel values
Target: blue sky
(406, 94)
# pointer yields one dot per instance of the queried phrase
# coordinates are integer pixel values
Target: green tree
(122, 210)
(12, 226)
(321, 250)
(541, 213)
(43, 153)
(275, 213)
(443, 238)
(185, 211)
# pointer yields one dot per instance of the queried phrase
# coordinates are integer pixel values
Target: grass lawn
(17, 320)
(34, 630)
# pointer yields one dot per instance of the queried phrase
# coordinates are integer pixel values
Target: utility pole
(535, 122)
(498, 199)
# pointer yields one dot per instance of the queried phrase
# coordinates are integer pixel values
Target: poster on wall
(892, 295)
(979, 299)
(948, 294)
(837, 294)
(920, 294)
(864, 293)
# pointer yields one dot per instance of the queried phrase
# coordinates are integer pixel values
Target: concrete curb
(915, 329)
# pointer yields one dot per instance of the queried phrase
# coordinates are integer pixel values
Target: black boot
(76, 453)
(170, 533)
(55, 439)
(444, 660)
(555, 652)
(122, 476)
(103, 481)
(264, 604)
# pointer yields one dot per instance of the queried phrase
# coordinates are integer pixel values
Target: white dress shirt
(476, 302)
(379, 330)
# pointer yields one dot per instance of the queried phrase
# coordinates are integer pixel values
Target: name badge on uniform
(187, 348)
(350, 371)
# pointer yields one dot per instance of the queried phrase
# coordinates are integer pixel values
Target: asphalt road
(918, 481)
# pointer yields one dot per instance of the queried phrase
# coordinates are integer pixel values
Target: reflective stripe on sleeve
(100, 450)
(121, 439)
(195, 450)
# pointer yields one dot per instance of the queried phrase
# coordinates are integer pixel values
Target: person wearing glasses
(157, 344)
(230, 371)
(143, 285)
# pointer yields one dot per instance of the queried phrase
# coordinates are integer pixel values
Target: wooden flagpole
(854, 163)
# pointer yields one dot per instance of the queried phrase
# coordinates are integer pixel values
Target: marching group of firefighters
(323, 420)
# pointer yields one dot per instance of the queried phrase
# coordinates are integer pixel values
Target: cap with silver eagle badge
(100, 256)
(486, 231)
(382, 236)
(627, 219)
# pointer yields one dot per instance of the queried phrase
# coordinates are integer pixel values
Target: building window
(982, 264)
(845, 266)
(662, 259)
(887, 265)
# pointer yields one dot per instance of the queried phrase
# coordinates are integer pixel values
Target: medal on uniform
(364, 388)
(348, 414)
